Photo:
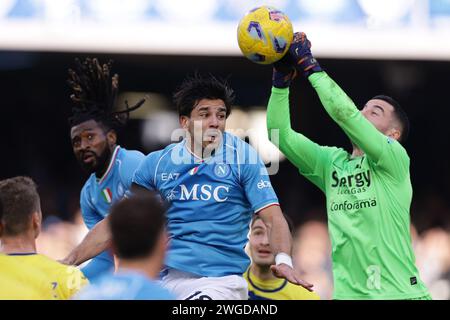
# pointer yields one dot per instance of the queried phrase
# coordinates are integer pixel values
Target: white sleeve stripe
(237, 158)
(266, 206)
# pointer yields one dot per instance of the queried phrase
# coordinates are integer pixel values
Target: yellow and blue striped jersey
(23, 282)
(276, 289)
(65, 280)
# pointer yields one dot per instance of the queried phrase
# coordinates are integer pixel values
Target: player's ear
(36, 221)
(111, 136)
(394, 134)
(184, 122)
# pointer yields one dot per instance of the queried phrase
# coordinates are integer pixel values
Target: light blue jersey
(124, 285)
(97, 196)
(211, 203)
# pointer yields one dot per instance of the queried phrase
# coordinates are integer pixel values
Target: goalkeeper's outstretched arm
(300, 150)
(344, 112)
(337, 104)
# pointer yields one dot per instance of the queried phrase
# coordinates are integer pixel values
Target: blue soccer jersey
(97, 196)
(124, 285)
(211, 203)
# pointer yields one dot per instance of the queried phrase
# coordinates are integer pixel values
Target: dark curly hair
(197, 87)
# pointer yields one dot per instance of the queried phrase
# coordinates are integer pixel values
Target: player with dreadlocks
(93, 132)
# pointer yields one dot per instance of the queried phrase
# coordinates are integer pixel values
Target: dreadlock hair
(94, 95)
(197, 87)
(399, 113)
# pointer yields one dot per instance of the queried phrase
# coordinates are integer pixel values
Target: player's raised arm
(305, 154)
(363, 133)
(344, 112)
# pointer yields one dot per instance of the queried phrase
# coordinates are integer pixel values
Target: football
(264, 35)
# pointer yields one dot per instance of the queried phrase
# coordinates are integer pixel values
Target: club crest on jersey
(193, 170)
(221, 170)
(107, 195)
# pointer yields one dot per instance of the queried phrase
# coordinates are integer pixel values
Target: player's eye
(221, 116)
(76, 143)
(90, 136)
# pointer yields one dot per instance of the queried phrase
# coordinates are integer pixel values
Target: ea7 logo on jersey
(263, 184)
(204, 192)
(169, 176)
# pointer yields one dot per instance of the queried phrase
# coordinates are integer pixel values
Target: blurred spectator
(59, 237)
(312, 256)
(433, 260)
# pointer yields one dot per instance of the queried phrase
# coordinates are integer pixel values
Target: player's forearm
(279, 234)
(96, 241)
(344, 112)
(300, 150)
(336, 102)
(279, 124)
(280, 237)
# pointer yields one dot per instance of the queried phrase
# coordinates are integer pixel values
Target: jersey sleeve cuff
(266, 206)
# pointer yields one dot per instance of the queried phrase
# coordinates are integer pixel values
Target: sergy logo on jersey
(221, 170)
(204, 192)
(351, 184)
(263, 184)
(354, 180)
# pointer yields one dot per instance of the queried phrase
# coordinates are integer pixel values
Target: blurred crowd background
(400, 48)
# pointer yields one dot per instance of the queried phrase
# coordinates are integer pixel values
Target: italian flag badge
(107, 195)
(193, 171)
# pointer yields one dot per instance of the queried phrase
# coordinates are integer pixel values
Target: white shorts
(188, 286)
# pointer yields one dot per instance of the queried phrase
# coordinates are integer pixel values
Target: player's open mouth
(88, 158)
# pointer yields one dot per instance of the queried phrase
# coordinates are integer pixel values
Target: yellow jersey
(276, 289)
(65, 280)
(22, 282)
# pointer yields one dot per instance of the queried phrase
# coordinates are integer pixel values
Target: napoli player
(139, 240)
(111, 167)
(214, 183)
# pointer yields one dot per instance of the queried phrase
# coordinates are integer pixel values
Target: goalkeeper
(368, 192)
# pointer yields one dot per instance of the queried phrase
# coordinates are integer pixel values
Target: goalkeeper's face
(259, 245)
(381, 115)
(91, 145)
(206, 123)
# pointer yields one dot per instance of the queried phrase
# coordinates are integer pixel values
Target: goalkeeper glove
(283, 72)
(300, 53)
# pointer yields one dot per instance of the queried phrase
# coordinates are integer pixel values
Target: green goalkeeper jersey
(368, 197)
